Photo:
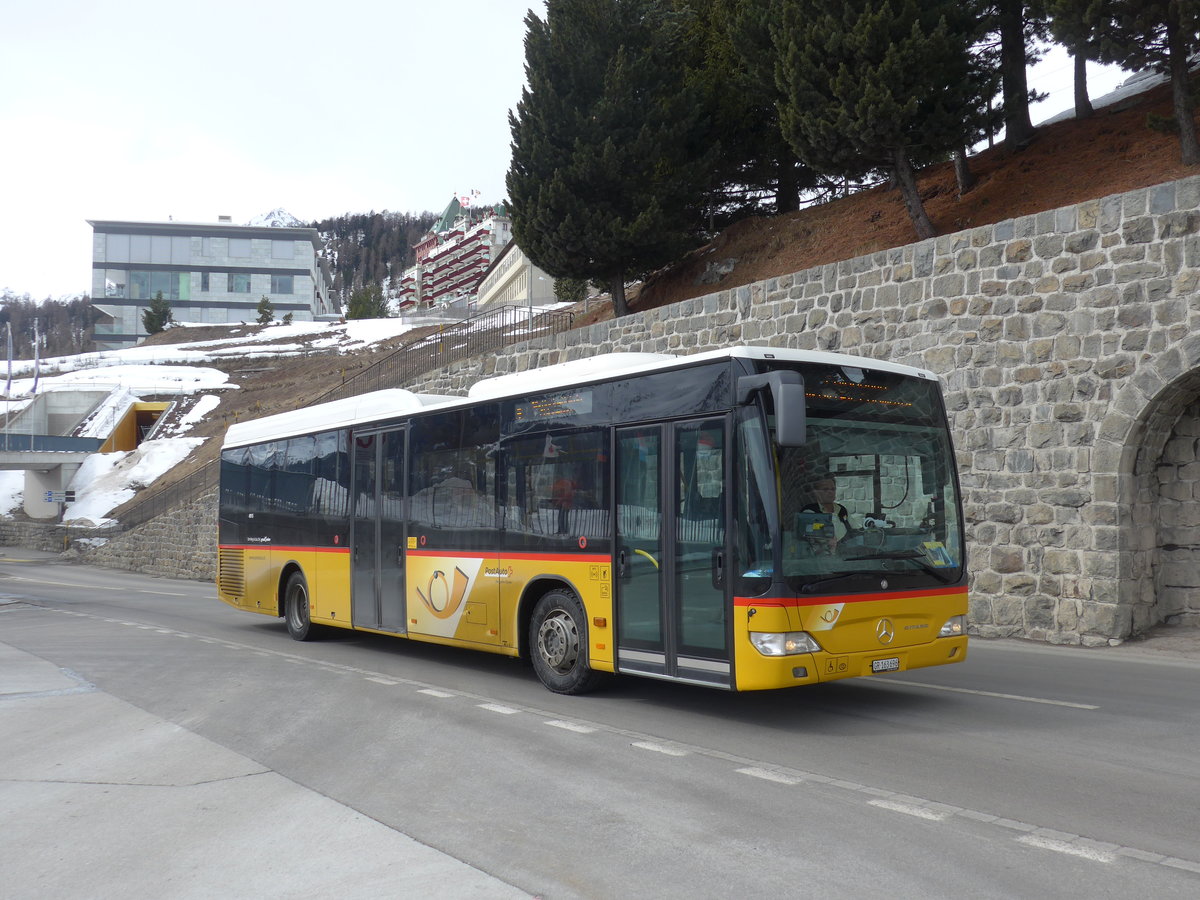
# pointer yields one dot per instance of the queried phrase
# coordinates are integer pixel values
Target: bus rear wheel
(558, 644)
(296, 610)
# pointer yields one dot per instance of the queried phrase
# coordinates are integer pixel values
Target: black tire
(295, 609)
(558, 644)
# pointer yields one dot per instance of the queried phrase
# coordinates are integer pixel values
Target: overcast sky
(149, 110)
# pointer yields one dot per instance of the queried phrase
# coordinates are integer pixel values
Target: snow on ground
(12, 489)
(106, 480)
(104, 418)
(144, 378)
(275, 340)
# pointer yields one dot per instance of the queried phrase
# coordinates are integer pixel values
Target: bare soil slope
(1069, 162)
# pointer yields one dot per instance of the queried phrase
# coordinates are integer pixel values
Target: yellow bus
(745, 519)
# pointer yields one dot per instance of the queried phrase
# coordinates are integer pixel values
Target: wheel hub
(558, 641)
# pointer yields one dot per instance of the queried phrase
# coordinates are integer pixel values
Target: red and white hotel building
(454, 254)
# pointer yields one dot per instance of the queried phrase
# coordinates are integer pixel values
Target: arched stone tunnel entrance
(1159, 486)
(1162, 534)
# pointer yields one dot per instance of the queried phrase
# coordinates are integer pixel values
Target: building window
(281, 284)
(116, 248)
(239, 247)
(204, 281)
(115, 281)
(239, 282)
(146, 285)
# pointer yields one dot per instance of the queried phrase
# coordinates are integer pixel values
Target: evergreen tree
(570, 290)
(1158, 34)
(367, 303)
(736, 71)
(266, 311)
(611, 158)
(158, 315)
(1073, 24)
(878, 85)
(1018, 23)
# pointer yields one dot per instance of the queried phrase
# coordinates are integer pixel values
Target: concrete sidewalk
(102, 800)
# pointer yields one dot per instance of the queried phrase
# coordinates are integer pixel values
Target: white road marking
(571, 726)
(432, 693)
(769, 775)
(378, 680)
(497, 708)
(921, 812)
(1071, 848)
(659, 748)
(958, 690)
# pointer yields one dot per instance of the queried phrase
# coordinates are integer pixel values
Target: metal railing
(47, 443)
(481, 333)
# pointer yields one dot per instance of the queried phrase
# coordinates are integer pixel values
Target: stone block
(1019, 251)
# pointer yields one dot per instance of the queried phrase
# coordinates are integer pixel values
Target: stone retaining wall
(179, 544)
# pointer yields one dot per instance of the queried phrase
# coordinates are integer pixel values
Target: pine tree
(731, 66)
(1159, 34)
(266, 311)
(158, 315)
(570, 290)
(875, 85)
(1018, 23)
(1073, 24)
(611, 157)
(367, 303)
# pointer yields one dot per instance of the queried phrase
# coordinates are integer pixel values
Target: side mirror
(787, 393)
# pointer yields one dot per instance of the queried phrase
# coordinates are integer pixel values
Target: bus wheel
(558, 644)
(295, 609)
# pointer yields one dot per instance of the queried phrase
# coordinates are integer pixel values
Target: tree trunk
(1181, 97)
(617, 287)
(787, 187)
(1018, 129)
(1083, 103)
(906, 178)
(962, 171)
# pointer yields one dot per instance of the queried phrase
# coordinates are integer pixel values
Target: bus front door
(671, 551)
(377, 549)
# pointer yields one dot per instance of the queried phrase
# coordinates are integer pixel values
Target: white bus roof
(383, 404)
(611, 365)
(329, 416)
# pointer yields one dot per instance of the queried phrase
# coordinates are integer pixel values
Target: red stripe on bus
(831, 599)
(512, 554)
(288, 547)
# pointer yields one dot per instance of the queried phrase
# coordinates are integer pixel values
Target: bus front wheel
(295, 609)
(558, 644)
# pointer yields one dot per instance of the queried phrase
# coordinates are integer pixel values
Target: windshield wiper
(809, 586)
(915, 555)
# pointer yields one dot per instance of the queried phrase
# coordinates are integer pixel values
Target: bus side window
(558, 486)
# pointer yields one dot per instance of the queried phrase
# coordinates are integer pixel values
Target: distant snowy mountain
(276, 218)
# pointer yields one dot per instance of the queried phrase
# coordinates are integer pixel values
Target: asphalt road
(1027, 771)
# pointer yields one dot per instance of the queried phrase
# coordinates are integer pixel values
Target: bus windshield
(870, 498)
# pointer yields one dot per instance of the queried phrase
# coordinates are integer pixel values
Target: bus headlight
(783, 643)
(955, 626)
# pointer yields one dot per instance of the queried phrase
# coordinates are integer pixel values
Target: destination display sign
(562, 405)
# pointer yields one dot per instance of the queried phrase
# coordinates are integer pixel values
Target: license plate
(891, 664)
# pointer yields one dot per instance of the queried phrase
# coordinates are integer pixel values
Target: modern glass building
(211, 273)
